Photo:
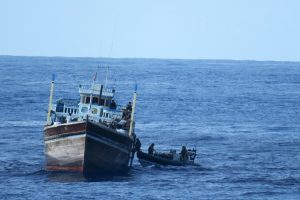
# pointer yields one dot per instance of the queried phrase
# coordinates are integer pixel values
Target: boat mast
(50, 100)
(132, 112)
(106, 77)
(92, 90)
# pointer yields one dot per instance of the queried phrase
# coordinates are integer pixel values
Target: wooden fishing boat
(166, 159)
(91, 135)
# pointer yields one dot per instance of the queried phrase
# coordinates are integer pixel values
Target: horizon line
(153, 58)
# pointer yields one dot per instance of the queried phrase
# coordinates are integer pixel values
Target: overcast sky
(192, 29)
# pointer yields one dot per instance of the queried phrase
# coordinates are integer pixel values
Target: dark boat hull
(147, 159)
(106, 151)
(88, 147)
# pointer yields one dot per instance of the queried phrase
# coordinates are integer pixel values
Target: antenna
(92, 90)
(98, 69)
(107, 68)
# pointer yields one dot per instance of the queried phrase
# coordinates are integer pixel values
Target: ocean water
(242, 116)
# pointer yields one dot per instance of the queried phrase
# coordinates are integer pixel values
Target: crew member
(113, 105)
(151, 149)
(184, 154)
(129, 106)
(138, 144)
(69, 118)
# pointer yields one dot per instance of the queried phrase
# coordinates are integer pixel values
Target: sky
(178, 29)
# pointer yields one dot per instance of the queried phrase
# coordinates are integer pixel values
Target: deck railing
(86, 89)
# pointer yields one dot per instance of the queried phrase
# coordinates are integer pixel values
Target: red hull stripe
(65, 168)
(63, 135)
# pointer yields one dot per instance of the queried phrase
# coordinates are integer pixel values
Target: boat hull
(148, 160)
(86, 147)
(106, 151)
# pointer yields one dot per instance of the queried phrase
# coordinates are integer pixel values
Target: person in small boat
(113, 105)
(151, 149)
(184, 156)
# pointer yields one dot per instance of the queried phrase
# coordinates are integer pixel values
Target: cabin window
(101, 112)
(66, 110)
(102, 102)
(71, 110)
(107, 102)
(107, 115)
(84, 109)
(75, 111)
(87, 100)
(60, 107)
(95, 100)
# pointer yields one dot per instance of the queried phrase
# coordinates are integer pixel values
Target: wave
(19, 168)
(5, 124)
(287, 181)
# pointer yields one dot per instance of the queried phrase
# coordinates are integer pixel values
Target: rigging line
(106, 76)
(98, 69)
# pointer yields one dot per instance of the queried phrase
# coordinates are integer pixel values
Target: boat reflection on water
(75, 177)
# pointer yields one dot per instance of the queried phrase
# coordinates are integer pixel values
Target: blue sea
(242, 116)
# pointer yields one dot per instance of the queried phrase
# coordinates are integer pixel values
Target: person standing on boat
(126, 114)
(113, 105)
(184, 154)
(151, 149)
(137, 145)
(129, 107)
(69, 117)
